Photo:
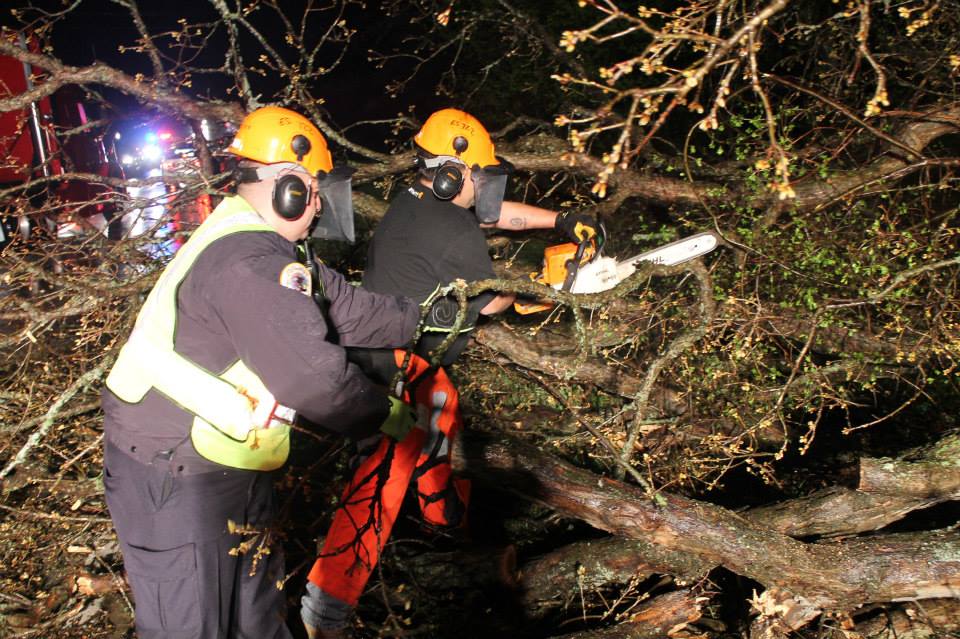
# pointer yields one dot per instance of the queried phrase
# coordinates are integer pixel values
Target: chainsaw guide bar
(597, 273)
(604, 273)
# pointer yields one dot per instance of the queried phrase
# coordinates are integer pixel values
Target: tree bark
(663, 616)
(557, 579)
(532, 354)
(919, 620)
(835, 511)
(933, 474)
(889, 490)
(525, 352)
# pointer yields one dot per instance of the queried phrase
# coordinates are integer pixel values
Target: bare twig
(89, 377)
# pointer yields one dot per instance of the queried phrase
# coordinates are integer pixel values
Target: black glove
(578, 226)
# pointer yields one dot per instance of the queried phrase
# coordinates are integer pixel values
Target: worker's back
(421, 243)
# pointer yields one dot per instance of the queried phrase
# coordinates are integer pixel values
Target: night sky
(354, 91)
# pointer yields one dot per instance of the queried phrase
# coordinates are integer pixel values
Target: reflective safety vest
(237, 421)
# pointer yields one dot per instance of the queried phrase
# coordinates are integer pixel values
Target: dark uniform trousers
(173, 531)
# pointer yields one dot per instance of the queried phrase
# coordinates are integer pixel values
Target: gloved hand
(578, 226)
(400, 421)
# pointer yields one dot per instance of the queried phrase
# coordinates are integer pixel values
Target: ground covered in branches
(759, 443)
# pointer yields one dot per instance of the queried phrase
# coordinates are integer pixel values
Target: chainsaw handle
(573, 264)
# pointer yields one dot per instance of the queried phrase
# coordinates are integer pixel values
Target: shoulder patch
(296, 276)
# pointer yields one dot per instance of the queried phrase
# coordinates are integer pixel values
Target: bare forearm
(517, 216)
(498, 304)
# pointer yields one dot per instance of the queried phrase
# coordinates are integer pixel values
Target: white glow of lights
(150, 152)
(127, 158)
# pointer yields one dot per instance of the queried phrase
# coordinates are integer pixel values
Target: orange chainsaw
(580, 268)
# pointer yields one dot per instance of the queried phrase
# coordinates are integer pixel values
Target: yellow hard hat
(274, 134)
(457, 133)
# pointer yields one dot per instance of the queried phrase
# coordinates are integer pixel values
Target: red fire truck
(40, 142)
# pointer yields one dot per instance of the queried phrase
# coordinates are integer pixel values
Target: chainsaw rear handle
(586, 251)
(573, 264)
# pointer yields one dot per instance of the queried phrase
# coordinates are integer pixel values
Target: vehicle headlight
(150, 152)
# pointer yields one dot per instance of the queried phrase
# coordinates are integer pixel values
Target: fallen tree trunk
(533, 355)
(917, 134)
(933, 473)
(568, 578)
(840, 575)
(523, 351)
(889, 490)
(835, 511)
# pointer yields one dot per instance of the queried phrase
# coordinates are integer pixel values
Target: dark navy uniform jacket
(232, 306)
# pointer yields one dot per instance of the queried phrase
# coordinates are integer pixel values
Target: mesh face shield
(335, 221)
(490, 185)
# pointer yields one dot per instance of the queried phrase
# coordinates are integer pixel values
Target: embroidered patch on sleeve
(296, 276)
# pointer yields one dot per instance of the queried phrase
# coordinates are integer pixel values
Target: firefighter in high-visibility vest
(229, 347)
(431, 235)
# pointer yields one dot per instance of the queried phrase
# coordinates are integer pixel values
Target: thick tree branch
(528, 352)
(556, 579)
(147, 91)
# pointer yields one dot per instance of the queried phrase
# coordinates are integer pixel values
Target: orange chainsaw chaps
(371, 502)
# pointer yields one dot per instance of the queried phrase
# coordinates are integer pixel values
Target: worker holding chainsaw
(229, 348)
(431, 235)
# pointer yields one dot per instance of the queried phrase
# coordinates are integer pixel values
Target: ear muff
(448, 181)
(290, 197)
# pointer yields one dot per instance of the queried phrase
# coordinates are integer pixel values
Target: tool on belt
(581, 268)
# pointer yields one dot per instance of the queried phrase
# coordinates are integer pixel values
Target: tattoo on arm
(518, 223)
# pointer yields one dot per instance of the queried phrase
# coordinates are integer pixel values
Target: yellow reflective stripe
(263, 449)
(437, 329)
